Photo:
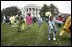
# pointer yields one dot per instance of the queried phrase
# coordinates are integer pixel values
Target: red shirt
(60, 19)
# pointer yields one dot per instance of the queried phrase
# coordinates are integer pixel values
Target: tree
(53, 10)
(10, 10)
(43, 10)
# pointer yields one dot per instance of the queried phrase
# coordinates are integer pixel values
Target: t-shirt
(12, 19)
(19, 19)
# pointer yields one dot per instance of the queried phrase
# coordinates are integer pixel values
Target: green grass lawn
(36, 36)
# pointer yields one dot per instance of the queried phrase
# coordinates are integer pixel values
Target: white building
(32, 9)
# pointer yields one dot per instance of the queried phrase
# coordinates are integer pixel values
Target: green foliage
(50, 8)
(53, 9)
(10, 10)
(43, 10)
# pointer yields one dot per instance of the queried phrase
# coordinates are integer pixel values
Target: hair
(19, 12)
(29, 14)
(51, 17)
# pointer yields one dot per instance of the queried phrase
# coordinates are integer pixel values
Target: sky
(63, 6)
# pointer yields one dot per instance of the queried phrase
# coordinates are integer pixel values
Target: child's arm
(56, 21)
(50, 25)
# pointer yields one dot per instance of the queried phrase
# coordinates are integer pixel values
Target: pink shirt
(29, 19)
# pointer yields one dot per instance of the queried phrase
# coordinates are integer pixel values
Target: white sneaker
(54, 38)
(49, 39)
(60, 34)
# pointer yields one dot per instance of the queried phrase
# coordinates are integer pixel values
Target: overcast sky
(63, 6)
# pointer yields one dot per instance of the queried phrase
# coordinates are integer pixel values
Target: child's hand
(23, 21)
(15, 21)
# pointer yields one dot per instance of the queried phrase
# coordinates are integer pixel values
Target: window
(30, 9)
(27, 10)
(36, 10)
(33, 9)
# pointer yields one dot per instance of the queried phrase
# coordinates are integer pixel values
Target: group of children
(19, 20)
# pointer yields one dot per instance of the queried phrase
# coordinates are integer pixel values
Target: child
(4, 18)
(12, 20)
(67, 26)
(40, 21)
(20, 22)
(52, 27)
(29, 20)
(8, 19)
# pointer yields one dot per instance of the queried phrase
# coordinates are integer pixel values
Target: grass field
(36, 36)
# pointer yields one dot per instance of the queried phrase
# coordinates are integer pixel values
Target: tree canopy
(51, 8)
(10, 10)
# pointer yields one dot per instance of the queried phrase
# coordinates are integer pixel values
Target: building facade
(32, 9)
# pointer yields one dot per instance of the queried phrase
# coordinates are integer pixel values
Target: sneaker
(54, 38)
(49, 39)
